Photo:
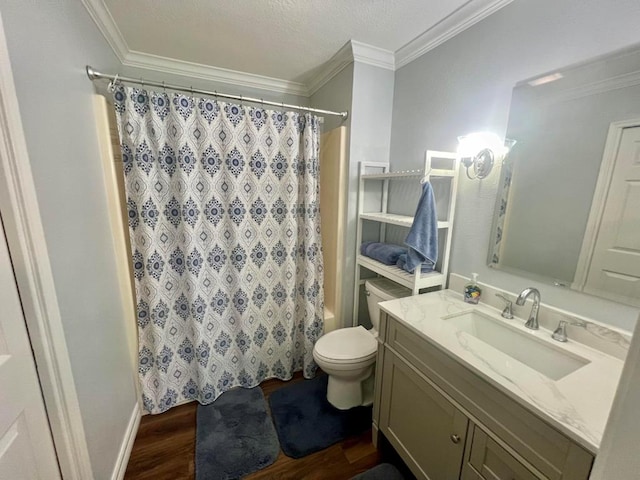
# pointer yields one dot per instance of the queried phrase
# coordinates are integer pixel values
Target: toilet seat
(347, 345)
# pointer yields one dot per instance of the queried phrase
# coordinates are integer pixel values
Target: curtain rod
(95, 75)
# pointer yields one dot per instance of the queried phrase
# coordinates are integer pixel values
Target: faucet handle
(560, 333)
(507, 312)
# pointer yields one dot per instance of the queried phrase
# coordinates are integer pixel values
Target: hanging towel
(423, 236)
(402, 262)
(386, 253)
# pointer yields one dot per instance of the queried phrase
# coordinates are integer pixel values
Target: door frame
(28, 249)
(600, 195)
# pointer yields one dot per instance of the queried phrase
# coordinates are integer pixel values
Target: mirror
(568, 205)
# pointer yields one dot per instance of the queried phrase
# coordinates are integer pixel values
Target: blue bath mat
(384, 471)
(234, 436)
(306, 422)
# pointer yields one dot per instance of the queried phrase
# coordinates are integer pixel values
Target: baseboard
(127, 444)
(375, 434)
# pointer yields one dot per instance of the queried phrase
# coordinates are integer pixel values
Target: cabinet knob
(455, 438)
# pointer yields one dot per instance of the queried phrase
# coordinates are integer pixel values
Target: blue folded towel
(423, 235)
(402, 262)
(386, 253)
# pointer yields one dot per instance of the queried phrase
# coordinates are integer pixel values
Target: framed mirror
(568, 206)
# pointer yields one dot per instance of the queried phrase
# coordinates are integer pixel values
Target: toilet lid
(347, 344)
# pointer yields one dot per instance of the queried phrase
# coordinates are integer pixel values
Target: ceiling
(287, 40)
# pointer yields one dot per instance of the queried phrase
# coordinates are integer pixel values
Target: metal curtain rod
(95, 75)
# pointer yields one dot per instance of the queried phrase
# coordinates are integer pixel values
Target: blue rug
(306, 422)
(384, 471)
(234, 436)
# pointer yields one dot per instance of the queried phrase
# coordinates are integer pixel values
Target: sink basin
(554, 363)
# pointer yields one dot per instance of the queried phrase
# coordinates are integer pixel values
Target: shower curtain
(223, 211)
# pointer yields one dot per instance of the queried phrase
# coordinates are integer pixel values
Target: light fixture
(480, 151)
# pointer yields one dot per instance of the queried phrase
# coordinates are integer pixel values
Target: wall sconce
(480, 151)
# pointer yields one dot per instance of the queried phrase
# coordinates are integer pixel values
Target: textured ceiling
(286, 39)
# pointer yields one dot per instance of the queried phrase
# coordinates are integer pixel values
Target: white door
(615, 265)
(26, 447)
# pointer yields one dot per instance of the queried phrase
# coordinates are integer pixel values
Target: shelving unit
(447, 171)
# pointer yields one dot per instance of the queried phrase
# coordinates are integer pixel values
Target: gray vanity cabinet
(420, 421)
(447, 423)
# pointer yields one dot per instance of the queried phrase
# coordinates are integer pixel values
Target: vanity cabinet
(419, 420)
(448, 423)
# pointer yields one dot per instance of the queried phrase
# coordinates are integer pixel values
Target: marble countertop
(577, 405)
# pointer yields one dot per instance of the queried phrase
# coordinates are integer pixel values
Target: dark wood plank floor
(165, 449)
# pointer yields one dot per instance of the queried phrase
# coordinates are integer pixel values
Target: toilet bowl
(348, 355)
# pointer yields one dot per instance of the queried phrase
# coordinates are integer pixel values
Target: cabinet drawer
(549, 451)
(426, 429)
(487, 460)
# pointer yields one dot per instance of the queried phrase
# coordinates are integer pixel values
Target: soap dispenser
(472, 290)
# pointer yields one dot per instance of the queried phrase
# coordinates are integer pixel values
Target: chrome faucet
(532, 323)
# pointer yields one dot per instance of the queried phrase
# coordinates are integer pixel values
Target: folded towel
(386, 253)
(364, 246)
(402, 263)
(423, 235)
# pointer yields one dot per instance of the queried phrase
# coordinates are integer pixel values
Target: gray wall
(367, 92)
(370, 142)
(49, 44)
(337, 95)
(465, 84)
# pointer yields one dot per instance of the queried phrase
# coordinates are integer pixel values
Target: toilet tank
(380, 290)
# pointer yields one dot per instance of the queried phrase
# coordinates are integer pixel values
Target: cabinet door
(486, 460)
(422, 425)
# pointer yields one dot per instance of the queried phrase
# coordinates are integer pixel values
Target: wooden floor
(165, 449)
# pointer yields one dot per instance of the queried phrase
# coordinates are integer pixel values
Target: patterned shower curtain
(223, 210)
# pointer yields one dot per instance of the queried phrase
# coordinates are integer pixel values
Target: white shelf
(447, 172)
(398, 275)
(394, 219)
(384, 176)
(434, 172)
(390, 218)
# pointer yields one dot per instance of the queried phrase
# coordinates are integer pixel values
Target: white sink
(554, 363)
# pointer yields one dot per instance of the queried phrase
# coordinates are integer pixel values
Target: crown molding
(625, 80)
(215, 74)
(375, 56)
(101, 16)
(464, 17)
(331, 68)
(352, 51)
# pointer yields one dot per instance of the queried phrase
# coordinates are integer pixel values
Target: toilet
(348, 355)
